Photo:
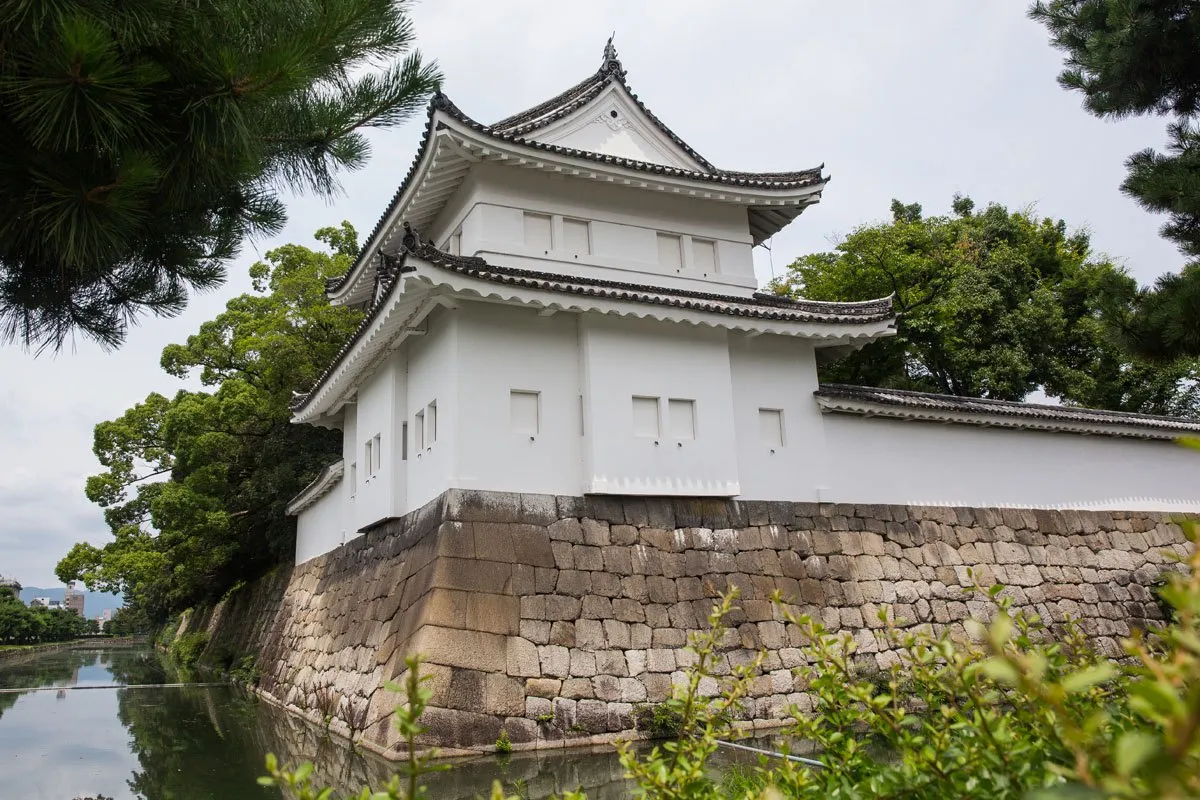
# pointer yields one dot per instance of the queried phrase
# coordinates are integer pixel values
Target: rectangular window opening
(455, 245)
(704, 256)
(537, 232)
(770, 426)
(419, 429)
(404, 441)
(645, 418)
(524, 412)
(681, 418)
(353, 479)
(577, 237)
(377, 451)
(431, 421)
(367, 458)
(670, 252)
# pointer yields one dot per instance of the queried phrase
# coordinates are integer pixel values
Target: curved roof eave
(834, 324)
(444, 114)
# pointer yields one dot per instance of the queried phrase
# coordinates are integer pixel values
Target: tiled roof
(949, 408)
(581, 94)
(317, 488)
(759, 305)
(761, 180)
(514, 129)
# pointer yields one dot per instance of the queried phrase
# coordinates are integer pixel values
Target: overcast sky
(915, 101)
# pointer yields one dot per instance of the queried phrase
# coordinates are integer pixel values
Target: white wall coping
(323, 484)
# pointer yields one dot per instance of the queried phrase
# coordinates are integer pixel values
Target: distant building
(42, 602)
(73, 599)
(10, 585)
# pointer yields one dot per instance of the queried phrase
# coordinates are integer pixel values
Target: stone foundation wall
(553, 617)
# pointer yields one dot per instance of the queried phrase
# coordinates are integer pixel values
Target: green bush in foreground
(1017, 711)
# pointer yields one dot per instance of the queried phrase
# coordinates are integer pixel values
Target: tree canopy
(230, 455)
(142, 142)
(991, 304)
(1133, 57)
(20, 624)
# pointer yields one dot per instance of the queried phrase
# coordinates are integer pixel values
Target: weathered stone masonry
(553, 617)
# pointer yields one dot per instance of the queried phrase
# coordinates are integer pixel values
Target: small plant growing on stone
(325, 702)
(657, 720)
(545, 719)
(503, 743)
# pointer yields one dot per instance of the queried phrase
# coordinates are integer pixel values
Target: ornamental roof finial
(612, 63)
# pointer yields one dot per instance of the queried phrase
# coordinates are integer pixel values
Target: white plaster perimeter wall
(322, 526)
(777, 373)
(505, 349)
(923, 463)
(627, 358)
(489, 210)
(373, 495)
(433, 377)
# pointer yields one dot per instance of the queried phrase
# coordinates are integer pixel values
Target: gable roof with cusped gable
(636, 149)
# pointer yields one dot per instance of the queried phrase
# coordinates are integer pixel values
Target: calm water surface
(208, 743)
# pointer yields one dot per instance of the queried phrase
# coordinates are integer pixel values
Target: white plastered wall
(321, 527)
(625, 358)
(503, 349)
(894, 461)
(777, 374)
(433, 376)
(624, 222)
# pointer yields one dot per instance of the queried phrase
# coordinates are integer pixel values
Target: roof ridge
(567, 102)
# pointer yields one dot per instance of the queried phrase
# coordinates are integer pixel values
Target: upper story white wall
(780, 433)
(537, 220)
(658, 409)
(372, 450)
(432, 410)
(519, 414)
(877, 460)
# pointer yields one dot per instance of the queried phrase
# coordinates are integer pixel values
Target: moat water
(190, 742)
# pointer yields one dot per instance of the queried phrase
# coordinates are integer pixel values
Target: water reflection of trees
(196, 743)
(60, 668)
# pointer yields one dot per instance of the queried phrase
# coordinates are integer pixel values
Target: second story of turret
(589, 183)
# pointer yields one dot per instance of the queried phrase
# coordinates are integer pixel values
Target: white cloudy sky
(915, 100)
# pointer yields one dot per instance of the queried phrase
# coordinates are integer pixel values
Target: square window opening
(704, 256)
(770, 427)
(525, 412)
(577, 236)
(681, 418)
(645, 418)
(538, 232)
(670, 252)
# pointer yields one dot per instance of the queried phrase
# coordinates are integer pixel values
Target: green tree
(195, 486)
(1135, 57)
(991, 304)
(129, 620)
(141, 142)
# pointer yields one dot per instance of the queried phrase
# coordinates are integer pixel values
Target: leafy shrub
(186, 648)
(658, 720)
(503, 743)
